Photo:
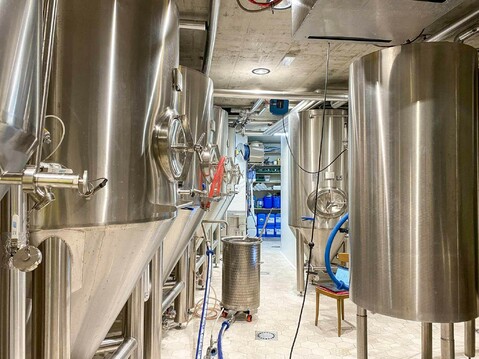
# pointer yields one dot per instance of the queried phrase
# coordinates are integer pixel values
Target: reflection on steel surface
(20, 67)
(413, 204)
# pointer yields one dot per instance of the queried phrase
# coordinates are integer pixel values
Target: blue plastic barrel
(277, 201)
(268, 201)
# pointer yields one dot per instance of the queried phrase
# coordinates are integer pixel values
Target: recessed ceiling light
(261, 71)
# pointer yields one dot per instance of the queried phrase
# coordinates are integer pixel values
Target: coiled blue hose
(224, 327)
(201, 332)
(327, 254)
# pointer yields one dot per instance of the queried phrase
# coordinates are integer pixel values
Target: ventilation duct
(382, 22)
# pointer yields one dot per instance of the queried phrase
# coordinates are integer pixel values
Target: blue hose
(327, 254)
(201, 332)
(224, 328)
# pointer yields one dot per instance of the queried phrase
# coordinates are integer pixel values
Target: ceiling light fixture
(261, 71)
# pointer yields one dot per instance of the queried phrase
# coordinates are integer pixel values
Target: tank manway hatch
(386, 22)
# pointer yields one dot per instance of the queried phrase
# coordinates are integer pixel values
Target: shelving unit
(268, 174)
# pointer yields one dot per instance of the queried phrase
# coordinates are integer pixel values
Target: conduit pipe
(126, 349)
(332, 95)
(193, 25)
(171, 296)
(455, 27)
(212, 29)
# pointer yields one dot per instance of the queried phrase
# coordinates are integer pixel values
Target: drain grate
(275, 246)
(264, 335)
(264, 273)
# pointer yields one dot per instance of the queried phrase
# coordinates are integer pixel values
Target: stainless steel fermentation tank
(195, 101)
(20, 82)
(305, 131)
(112, 85)
(413, 188)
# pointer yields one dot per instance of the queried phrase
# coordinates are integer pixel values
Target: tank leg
(203, 267)
(217, 240)
(426, 340)
(135, 319)
(447, 341)
(51, 302)
(182, 298)
(299, 264)
(470, 338)
(13, 286)
(191, 284)
(362, 333)
(153, 310)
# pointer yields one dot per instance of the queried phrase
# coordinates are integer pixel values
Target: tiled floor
(280, 305)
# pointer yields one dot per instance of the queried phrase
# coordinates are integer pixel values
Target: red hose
(265, 4)
(215, 188)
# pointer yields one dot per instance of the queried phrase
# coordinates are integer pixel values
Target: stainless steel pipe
(12, 281)
(181, 301)
(426, 340)
(452, 29)
(299, 265)
(135, 319)
(153, 309)
(362, 333)
(332, 95)
(51, 301)
(109, 345)
(171, 295)
(191, 284)
(126, 349)
(447, 341)
(470, 338)
(212, 30)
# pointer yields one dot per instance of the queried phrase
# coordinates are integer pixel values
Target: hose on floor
(224, 327)
(327, 254)
(201, 332)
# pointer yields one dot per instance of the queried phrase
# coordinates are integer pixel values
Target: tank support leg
(362, 333)
(299, 263)
(470, 338)
(153, 310)
(447, 341)
(426, 340)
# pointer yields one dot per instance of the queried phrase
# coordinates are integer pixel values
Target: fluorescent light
(279, 134)
(261, 71)
(287, 60)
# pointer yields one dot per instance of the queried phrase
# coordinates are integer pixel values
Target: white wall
(288, 241)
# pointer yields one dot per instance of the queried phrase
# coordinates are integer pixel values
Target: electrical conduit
(327, 253)
(201, 332)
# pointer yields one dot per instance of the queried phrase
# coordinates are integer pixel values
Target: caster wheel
(249, 318)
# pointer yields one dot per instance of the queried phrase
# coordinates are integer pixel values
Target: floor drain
(275, 246)
(266, 336)
(264, 273)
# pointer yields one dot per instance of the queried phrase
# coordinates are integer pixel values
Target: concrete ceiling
(249, 40)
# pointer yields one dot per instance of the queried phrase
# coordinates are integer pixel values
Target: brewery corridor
(388, 337)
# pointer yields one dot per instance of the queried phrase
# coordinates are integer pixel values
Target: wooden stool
(340, 297)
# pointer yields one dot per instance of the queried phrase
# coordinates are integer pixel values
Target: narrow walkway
(278, 313)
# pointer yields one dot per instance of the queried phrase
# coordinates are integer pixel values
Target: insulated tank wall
(112, 85)
(305, 141)
(195, 100)
(413, 202)
(20, 89)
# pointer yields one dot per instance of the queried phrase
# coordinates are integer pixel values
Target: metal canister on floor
(241, 274)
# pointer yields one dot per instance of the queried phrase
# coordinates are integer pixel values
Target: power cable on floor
(311, 242)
